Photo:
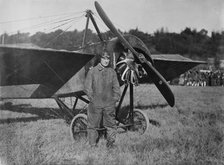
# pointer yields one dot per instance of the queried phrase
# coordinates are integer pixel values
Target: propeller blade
(156, 77)
(110, 25)
(160, 83)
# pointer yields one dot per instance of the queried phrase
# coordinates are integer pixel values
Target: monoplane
(37, 73)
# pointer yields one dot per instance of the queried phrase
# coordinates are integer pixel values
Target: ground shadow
(41, 113)
(22, 119)
(152, 106)
(27, 108)
(144, 107)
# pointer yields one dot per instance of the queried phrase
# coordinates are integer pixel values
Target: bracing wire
(60, 33)
(40, 17)
(49, 23)
(56, 21)
(60, 21)
(61, 25)
(66, 22)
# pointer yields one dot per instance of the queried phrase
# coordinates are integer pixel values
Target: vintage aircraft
(36, 73)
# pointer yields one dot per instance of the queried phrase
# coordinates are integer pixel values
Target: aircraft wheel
(141, 122)
(78, 127)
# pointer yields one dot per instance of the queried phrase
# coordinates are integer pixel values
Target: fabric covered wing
(48, 68)
(171, 66)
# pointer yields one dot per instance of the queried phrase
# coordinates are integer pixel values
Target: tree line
(189, 42)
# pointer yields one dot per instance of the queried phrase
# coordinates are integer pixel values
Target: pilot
(103, 90)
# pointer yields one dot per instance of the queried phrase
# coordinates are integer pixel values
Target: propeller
(156, 77)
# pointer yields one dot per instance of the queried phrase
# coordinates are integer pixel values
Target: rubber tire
(146, 122)
(78, 135)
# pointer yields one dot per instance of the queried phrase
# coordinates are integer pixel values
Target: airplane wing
(38, 72)
(171, 66)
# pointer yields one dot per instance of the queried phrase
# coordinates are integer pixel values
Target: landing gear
(78, 126)
(129, 119)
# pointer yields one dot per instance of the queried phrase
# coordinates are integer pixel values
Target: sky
(146, 15)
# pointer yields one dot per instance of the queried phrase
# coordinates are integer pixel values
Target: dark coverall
(103, 90)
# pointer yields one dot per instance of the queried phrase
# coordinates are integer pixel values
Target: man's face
(105, 61)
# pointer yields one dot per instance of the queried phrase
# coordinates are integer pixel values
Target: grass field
(192, 132)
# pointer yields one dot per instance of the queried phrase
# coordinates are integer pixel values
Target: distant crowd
(202, 78)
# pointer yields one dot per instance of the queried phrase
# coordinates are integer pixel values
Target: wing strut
(87, 24)
(90, 16)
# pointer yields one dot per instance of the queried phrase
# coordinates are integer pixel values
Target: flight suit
(103, 90)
